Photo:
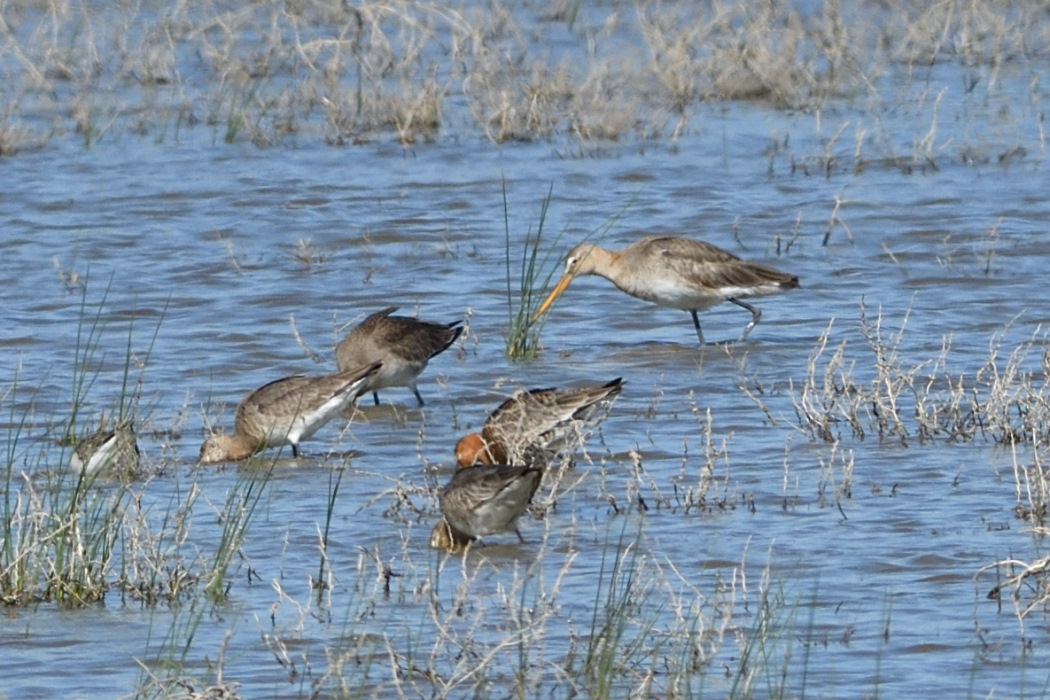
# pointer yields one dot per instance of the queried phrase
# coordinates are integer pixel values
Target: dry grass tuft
(414, 72)
(885, 395)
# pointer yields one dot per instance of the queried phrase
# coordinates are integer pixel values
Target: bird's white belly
(304, 425)
(670, 293)
(103, 456)
(394, 373)
(666, 292)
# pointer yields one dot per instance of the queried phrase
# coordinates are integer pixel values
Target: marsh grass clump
(891, 396)
(648, 630)
(61, 533)
(71, 537)
(61, 527)
(414, 72)
(59, 540)
(767, 665)
(236, 516)
(620, 621)
(524, 294)
(705, 489)
(885, 394)
(769, 53)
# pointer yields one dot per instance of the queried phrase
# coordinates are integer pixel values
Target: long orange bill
(562, 284)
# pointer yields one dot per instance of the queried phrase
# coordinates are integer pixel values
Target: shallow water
(198, 242)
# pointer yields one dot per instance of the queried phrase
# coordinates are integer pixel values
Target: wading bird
(286, 411)
(543, 421)
(483, 500)
(679, 273)
(404, 345)
(113, 452)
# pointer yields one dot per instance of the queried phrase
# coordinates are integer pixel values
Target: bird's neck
(601, 262)
(238, 447)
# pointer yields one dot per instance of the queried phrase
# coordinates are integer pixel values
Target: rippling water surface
(227, 252)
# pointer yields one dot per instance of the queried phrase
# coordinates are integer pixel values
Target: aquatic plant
(620, 621)
(60, 528)
(765, 664)
(538, 266)
(413, 72)
(236, 517)
(892, 397)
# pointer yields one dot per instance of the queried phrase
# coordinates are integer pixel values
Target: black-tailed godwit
(679, 273)
(404, 345)
(286, 411)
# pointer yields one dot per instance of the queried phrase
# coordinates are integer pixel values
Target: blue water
(859, 554)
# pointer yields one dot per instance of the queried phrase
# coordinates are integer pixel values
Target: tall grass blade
(523, 339)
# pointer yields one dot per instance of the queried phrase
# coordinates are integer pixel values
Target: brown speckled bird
(679, 273)
(405, 345)
(112, 452)
(544, 421)
(481, 501)
(286, 411)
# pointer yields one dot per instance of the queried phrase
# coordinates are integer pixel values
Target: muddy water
(219, 249)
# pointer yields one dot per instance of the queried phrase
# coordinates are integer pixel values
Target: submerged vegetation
(584, 75)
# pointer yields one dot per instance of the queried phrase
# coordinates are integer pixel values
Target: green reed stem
(335, 478)
(617, 607)
(241, 502)
(523, 340)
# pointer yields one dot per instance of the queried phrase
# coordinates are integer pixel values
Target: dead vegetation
(884, 395)
(865, 386)
(878, 392)
(414, 72)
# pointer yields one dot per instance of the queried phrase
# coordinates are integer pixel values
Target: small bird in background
(543, 421)
(404, 345)
(483, 500)
(286, 411)
(678, 273)
(112, 452)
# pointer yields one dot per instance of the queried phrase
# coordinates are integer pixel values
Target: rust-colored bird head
(472, 449)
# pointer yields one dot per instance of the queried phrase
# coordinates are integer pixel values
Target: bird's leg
(756, 315)
(518, 533)
(375, 397)
(295, 450)
(696, 322)
(418, 397)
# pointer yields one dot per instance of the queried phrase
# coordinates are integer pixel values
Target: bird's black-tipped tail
(451, 334)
